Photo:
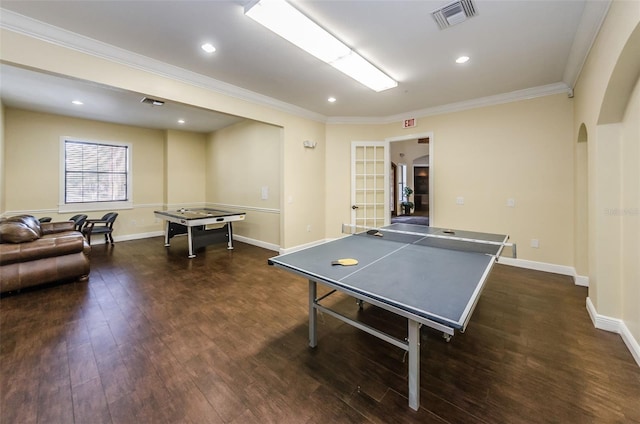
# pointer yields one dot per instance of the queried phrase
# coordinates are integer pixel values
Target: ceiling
(42, 92)
(517, 49)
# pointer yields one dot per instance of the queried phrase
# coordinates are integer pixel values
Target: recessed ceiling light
(208, 47)
(181, 121)
(77, 102)
(331, 99)
(462, 59)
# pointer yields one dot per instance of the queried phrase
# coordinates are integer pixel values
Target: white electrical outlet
(535, 243)
(511, 202)
(460, 200)
(309, 228)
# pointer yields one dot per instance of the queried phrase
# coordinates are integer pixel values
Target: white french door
(369, 183)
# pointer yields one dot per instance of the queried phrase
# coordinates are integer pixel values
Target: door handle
(354, 207)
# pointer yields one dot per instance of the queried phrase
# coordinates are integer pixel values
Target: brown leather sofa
(34, 253)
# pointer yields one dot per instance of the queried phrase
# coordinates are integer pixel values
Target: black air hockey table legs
(198, 236)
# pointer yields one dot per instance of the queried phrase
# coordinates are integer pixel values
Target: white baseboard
(302, 246)
(631, 342)
(614, 325)
(602, 322)
(140, 236)
(99, 239)
(259, 243)
(579, 280)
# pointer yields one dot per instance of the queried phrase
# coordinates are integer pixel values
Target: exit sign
(409, 123)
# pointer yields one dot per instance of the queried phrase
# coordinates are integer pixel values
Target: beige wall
(242, 160)
(338, 170)
(32, 146)
(607, 106)
(184, 169)
(630, 215)
(487, 156)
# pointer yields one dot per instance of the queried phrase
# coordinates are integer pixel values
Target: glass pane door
(369, 183)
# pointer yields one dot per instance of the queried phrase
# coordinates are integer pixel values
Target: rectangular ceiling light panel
(289, 23)
(362, 71)
(286, 21)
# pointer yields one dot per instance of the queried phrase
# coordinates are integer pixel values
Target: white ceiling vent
(454, 13)
(152, 102)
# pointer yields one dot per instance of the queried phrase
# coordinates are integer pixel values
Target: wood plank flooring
(154, 337)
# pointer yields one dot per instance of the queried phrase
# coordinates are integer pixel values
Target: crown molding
(40, 30)
(514, 96)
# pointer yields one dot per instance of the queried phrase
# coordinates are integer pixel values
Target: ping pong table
(194, 222)
(431, 276)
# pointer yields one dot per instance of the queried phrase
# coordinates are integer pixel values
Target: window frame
(64, 207)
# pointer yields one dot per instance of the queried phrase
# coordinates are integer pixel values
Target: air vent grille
(454, 13)
(152, 102)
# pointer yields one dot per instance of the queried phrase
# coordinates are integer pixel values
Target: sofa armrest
(56, 227)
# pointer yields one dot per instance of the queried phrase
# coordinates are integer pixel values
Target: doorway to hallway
(411, 167)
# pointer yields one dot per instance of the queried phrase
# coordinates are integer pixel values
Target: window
(96, 175)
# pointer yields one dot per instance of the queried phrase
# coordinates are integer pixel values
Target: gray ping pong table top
(433, 278)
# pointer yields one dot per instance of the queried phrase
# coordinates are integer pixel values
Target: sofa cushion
(48, 246)
(17, 232)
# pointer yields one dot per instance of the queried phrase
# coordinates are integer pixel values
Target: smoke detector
(152, 102)
(454, 13)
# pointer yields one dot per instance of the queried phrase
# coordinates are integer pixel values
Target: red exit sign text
(409, 123)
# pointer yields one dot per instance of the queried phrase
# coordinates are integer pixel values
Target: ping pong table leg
(313, 314)
(167, 225)
(414, 364)
(230, 234)
(190, 237)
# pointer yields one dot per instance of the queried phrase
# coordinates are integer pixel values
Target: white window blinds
(95, 172)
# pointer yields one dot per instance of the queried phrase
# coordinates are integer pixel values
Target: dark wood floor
(154, 337)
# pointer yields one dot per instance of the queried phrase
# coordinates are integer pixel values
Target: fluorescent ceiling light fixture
(181, 121)
(462, 59)
(77, 102)
(331, 99)
(208, 47)
(289, 23)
